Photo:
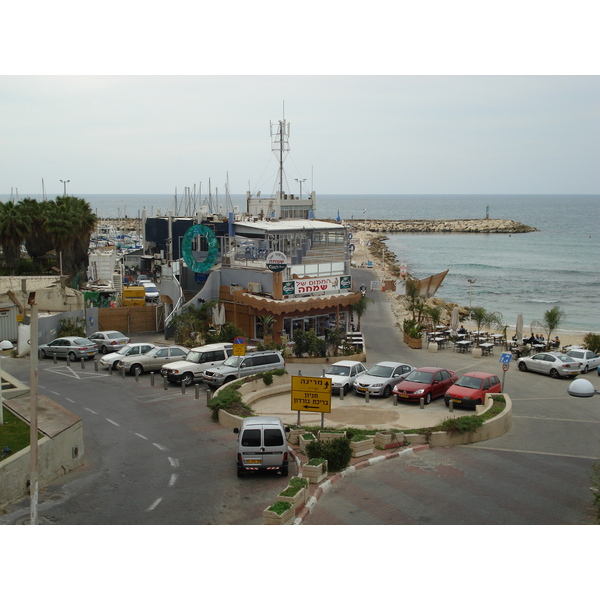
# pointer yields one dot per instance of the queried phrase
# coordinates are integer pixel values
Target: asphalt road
(155, 457)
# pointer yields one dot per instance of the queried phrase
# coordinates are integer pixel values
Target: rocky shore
(442, 226)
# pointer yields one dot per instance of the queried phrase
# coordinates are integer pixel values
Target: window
(162, 353)
(251, 437)
(273, 437)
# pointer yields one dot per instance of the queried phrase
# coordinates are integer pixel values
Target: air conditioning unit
(255, 288)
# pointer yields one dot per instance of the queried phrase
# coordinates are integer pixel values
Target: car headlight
(419, 391)
(377, 385)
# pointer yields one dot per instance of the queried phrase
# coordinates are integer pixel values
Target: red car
(471, 388)
(427, 383)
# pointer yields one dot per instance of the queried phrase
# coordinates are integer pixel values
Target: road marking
(172, 480)
(111, 421)
(535, 452)
(71, 401)
(90, 410)
(554, 419)
(140, 435)
(154, 505)
(159, 446)
(174, 462)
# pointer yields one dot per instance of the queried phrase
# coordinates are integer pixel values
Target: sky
(135, 113)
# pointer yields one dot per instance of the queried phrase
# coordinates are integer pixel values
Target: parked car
(234, 366)
(381, 378)
(196, 362)
(343, 373)
(555, 364)
(425, 382)
(150, 291)
(470, 389)
(152, 360)
(589, 359)
(109, 341)
(73, 347)
(111, 360)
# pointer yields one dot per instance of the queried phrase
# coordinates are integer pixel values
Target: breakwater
(441, 226)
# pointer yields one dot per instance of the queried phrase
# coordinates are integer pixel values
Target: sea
(527, 273)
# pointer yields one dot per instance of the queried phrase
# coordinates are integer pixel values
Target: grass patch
(14, 433)
(280, 507)
(295, 485)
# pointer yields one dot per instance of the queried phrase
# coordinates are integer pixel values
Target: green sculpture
(213, 248)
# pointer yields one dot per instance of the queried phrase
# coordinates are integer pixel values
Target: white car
(109, 361)
(589, 359)
(555, 364)
(343, 373)
(151, 292)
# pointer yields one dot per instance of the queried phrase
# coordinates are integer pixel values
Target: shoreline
(567, 337)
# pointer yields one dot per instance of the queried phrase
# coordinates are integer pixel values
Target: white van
(262, 445)
(195, 363)
(151, 292)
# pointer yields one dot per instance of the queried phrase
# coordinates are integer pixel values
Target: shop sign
(276, 261)
(314, 285)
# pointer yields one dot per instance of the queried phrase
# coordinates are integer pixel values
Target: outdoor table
(463, 345)
(487, 348)
(441, 341)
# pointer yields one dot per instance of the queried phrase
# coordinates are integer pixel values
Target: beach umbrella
(454, 320)
(519, 328)
(222, 318)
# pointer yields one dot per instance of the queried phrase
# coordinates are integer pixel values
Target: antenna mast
(280, 146)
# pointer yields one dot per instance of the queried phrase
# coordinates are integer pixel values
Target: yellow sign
(239, 349)
(312, 394)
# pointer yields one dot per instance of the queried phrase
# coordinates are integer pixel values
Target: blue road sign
(239, 340)
(506, 358)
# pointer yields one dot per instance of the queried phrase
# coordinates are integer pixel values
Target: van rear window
(251, 437)
(273, 437)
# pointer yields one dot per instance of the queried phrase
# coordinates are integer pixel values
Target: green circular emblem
(213, 248)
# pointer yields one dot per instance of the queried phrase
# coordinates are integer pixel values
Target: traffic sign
(505, 358)
(239, 346)
(311, 394)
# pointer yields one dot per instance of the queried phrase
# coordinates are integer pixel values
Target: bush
(267, 378)
(69, 327)
(592, 342)
(229, 399)
(462, 424)
(337, 452)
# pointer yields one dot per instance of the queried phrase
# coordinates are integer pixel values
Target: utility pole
(33, 411)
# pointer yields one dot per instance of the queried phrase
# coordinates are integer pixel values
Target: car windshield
(419, 377)
(193, 356)
(469, 382)
(125, 349)
(381, 371)
(565, 358)
(151, 288)
(337, 370)
(232, 361)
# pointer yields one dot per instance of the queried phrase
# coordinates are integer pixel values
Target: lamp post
(64, 182)
(300, 181)
(471, 282)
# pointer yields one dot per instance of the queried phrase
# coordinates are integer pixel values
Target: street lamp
(300, 181)
(64, 182)
(471, 282)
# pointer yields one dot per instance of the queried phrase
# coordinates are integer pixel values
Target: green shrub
(337, 452)
(461, 425)
(595, 487)
(592, 342)
(69, 327)
(267, 378)
(230, 400)
(280, 507)
(295, 485)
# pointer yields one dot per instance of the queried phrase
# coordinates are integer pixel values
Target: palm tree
(483, 318)
(14, 226)
(413, 300)
(360, 307)
(38, 242)
(551, 321)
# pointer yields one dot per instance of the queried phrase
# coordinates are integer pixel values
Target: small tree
(551, 321)
(360, 307)
(434, 313)
(413, 300)
(483, 318)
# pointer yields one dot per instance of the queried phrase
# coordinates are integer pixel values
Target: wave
(542, 301)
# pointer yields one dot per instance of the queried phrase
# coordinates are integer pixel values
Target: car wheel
(136, 369)
(284, 471)
(42, 354)
(228, 380)
(187, 379)
(554, 374)
(72, 356)
(240, 473)
(427, 398)
(522, 366)
(387, 392)
(103, 350)
(585, 369)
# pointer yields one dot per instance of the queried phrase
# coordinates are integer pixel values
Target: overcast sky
(389, 134)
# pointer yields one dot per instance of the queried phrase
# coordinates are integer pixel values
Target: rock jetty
(443, 226)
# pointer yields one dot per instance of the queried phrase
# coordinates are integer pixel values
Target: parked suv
(241, 366)
(196, 362)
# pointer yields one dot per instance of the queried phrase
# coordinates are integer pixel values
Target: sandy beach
(363, 254)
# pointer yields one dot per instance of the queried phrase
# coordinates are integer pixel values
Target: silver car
(343, 373)
(152, 360)
(381, 378)
(111, 360)
(589, 359)
(73, 347)
(555, 364)
(109, 341)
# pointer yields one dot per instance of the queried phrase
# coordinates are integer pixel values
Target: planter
(294, 436)
(387, 439)
(476, 352)
(363, 447)
(432, 347)
(270, 517)
(315, 473)
(331, 435)
(413, 342)
(305, 439)
(298, 500)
